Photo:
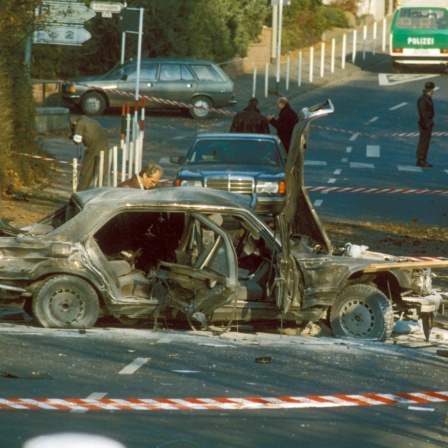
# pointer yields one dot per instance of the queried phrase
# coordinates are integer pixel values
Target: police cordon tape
(313, 188)
(210, 404)
(154, 99)
(365, 134)
(412, 191)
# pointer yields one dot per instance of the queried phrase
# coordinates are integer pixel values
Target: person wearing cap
(146, 179)
(425, 124)
(89, 132)
(250, 120)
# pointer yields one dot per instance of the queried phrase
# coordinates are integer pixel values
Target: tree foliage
(17, 113)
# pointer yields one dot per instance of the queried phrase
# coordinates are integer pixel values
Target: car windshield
(247, 152)
(420, 18)
(117, 72)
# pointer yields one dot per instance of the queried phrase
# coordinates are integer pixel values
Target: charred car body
(203, 256)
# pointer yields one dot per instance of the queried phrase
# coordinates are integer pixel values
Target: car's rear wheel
(202, 105)
(362, 311)
(93, 103)
(65, 301)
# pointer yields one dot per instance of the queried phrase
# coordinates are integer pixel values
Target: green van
(419, 34)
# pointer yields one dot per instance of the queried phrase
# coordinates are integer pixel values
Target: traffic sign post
(64, 12)
(61, 23)
(62, 35)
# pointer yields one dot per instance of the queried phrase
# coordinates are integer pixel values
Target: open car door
(287, 284)
(298, 211)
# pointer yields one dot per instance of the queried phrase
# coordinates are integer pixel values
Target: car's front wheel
(65, 301)
(93, 103)
(202, 105)
(362, 311)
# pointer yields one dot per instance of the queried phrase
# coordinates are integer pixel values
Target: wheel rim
(357, 318)
(92, 105)
(201, 108)
(66, 305)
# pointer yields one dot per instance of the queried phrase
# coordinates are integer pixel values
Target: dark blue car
(240, 163)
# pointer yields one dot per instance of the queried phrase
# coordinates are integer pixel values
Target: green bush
(335, 17)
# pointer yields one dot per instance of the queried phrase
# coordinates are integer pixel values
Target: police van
(419, 34)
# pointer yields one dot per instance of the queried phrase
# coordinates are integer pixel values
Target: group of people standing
(251, 120)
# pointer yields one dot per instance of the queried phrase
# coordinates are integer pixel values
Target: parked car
(202, 84)
(203, 256)
(241, 163)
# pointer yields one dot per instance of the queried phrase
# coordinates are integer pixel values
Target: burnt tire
(93, 104)
(362, 312)
(65, 301)
(203, 104)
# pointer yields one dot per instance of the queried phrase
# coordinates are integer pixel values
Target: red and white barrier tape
(415, 191)
(162, 100)
(365, 134)
(195, 404)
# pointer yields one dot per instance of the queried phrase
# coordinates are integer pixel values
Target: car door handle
(189, 86)
(150, 84)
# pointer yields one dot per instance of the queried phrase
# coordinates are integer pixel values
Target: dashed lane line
(220, 403)
(133, 366)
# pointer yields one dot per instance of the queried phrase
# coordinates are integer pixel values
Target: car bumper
(269, 205)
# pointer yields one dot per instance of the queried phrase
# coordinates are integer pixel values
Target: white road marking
(315, 163)
(415, 169)
(389, 79)
(446, 171)
(344, 160)
(164, 160)
(372, 120)
(361, 165)
(337, 172)
(348, 149)
(94, 396)
(353, 137)
(332, 180)
(398, 106)
(318, 202)
(133, 366)
(373, 151)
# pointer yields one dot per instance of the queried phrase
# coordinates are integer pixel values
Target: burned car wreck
(203, 256)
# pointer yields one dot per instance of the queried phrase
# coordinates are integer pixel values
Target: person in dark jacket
(250, 120)
(425, 124)
(285, 122)
(89, 132)
(146, 179)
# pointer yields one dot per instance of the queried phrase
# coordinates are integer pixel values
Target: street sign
(110, 7)
(61, 35)
(64, 12)
(129, 20)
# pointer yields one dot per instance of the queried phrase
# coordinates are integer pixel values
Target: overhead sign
(64, 12)
(62, 35)
(103, 7)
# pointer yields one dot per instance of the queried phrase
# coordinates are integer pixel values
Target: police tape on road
(314, 188)
(222, 403)
(409, 191)
(365, 134)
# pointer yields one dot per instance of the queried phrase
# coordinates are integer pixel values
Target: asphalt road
(92, 381)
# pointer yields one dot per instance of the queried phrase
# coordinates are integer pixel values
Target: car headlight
(191, 183)
(270, 187)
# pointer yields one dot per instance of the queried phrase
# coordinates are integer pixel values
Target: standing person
(425, 124)
(285, 123)
(146, 179)
(89, 132)
(250, 120)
